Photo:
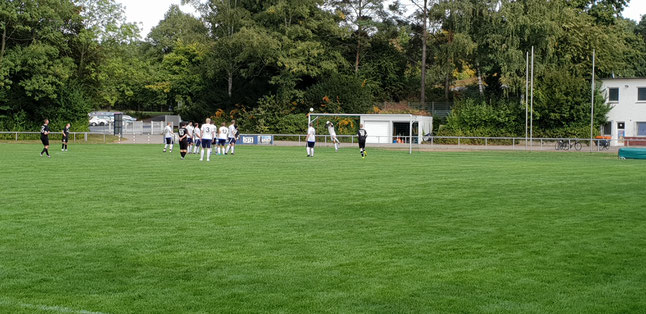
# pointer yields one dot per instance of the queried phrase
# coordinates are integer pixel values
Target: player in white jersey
(208, 132)
(311, 140)
(223, 134)
(197, 136)
(189, 131)
(168, 137)
(233, 134)
(335, 140)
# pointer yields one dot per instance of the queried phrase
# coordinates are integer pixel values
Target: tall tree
(362, 16)
(177, 26)
(423, 6)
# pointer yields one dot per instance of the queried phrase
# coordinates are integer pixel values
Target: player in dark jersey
(44, 137)
(362, 134)
(183, 139)
(66, 137)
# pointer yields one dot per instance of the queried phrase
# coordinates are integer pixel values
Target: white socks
(202, 155)
(171, 147)
(336, 146)
(310, 151)
(228, 147)
(208, 154)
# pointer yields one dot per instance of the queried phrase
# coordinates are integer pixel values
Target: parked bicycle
(603, 144)
(567, 145)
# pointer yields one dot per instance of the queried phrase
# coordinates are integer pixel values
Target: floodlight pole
(592, 103)
(526, 96)
(410, 132)
(531, 109)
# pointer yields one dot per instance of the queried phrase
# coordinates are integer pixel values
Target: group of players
(362, 135)
(44, 138)
(192, 137)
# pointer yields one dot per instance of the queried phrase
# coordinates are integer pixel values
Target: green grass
(128, 229)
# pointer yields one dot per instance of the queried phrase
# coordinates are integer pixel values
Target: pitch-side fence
(439, 142)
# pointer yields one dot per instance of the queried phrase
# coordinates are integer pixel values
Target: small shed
(396, 128)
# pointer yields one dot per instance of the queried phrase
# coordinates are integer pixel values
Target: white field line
(57, 309)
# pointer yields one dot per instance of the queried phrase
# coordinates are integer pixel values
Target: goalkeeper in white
(335, 140)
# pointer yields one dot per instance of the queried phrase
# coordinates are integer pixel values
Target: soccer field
(129, 229)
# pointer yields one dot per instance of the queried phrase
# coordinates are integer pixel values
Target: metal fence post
(486, 142)
(458, 141)
(513, 143)
(541, 144)
(16, 136)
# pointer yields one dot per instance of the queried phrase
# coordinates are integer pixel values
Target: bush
(473, 117)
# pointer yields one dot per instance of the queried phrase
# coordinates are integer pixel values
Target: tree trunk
(356, 63)
(4, 41)
(230, 83)
(359, 17)
(480, 84)
(81, 61)
(447, 85)
(422, 97)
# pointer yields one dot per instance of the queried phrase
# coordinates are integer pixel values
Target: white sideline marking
(59, 309)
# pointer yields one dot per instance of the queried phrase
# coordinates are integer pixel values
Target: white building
(395, 128)
(627, 118)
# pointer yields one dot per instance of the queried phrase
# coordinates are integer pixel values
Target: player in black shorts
(183, 139)
(362, 134)
(66, 137)
(44, 137)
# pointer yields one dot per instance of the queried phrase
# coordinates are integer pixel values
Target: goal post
(312, 117)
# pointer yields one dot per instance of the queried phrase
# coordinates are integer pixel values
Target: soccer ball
(311, 109)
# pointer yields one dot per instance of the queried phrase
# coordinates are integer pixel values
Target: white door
(378, 131)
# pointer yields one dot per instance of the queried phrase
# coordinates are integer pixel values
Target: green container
(632, 153)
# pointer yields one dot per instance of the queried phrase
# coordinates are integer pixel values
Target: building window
(607, 129)
(641, 94)
(641, 128)
(613, 94)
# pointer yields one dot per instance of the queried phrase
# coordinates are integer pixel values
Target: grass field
(129, 229)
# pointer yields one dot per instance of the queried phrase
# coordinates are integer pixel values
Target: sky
(150, 12)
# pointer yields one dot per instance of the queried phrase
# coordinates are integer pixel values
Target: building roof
(623, 78)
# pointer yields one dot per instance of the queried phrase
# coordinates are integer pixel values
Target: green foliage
(340, 94)
(271, 59)
(273, 116)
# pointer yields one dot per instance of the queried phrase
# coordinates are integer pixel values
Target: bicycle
(603, 145)
(567, 145)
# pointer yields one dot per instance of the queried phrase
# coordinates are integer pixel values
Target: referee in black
(363, 135)
(44, 137)
(66, 137)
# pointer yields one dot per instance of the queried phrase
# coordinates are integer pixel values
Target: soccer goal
(382, 128)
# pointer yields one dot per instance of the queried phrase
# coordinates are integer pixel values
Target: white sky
(150, 12)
